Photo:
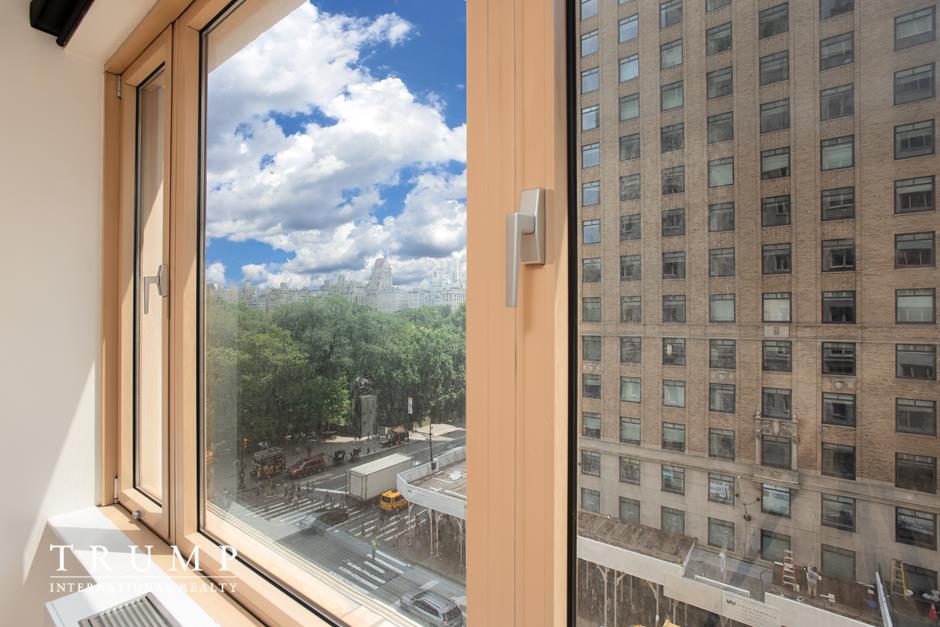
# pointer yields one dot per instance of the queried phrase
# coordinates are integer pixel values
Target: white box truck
(369, 480)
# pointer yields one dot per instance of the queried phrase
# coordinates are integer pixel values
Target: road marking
(366, 573)
(381, 571)
(397, 561)
(350, 573)
(389, 566)
(430, 584)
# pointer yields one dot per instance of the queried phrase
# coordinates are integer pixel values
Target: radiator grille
(144, 611)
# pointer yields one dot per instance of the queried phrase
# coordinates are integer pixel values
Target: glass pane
(334, 289)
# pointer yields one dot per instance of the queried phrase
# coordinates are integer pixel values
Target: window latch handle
(161, 280)
(525, 239)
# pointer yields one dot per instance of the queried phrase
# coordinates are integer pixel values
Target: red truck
(307, 466)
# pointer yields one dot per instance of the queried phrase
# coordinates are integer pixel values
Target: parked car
(392, 501)
(432, 608)
(307, 466)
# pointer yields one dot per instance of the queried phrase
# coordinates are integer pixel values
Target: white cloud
(215, 273)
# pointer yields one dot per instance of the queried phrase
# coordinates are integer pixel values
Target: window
(630, 187)
(628, 29)
(630, 147)
(591, 270)
(721, 354)
(838, 512)
(591, 387)
(913, 195)
(836, 51)
(630, 390)
(775, 210)
(915, 28)
(838, 203)
(775, 452)
(629, 68)
(672, 521)
(720, 127)
(589, 118)
(720, 82)
(914, 140)
(772, 545)
(838, 358)
(590, 80)
(775, 116)
(590, 155)
(673, 436)
(721, 217)
(718, 39)
(630, 268)
(776, 306)
(720, 488)
(673, 351)
(915, 472)
(838, 409)
(591, 309)
(721, 262)
(674, 393)
(915, 528)
(775, 258)
(721, 443)
(630, 434)
(588, 8)
(777, 356)
(672, 137)
(916, 361)
(775, 163)
(591, 193)
(674, 180)
(775, 500)
(838, 152)
(721, 534)
(721, 397)
(671, 96)
(837, 102)
(674, 265)
(916, 306)
(775, 68)
(774, 20)
(838, 255)
(590, 500)
(838, 307)
(920, 580)
(591, 463)
(591, 425)
(629, 511)
(674, 308)
(915, 250)
(838, 563)
(630, 227)
(629, 107)
(591, 231)
(631, 350)
(631, 309)
(674, 223)
(721, 308)
(775, 403)
(673, 479)
(915, 416)
(721, 172)
(670, 13)
(714, 5)
(838, 460)
(670, 55)
(832, 8)
(916, 83)
(589, 43)
(591, 347)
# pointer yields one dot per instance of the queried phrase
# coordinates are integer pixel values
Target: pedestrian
(932, 614)
(374, 545)
(812, 580)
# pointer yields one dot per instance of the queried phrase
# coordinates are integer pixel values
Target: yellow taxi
(392, 501)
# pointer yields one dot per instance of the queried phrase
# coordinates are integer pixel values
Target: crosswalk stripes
(369, 573)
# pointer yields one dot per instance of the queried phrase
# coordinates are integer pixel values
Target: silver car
(432, 608)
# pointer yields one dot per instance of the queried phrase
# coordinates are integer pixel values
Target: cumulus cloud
(215, 273)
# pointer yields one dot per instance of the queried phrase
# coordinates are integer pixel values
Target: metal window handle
(161, 280)
(525, 239)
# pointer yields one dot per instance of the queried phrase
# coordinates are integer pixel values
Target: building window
(673, 393)
(630, 390)
(671, 96)
(777, 356)
(591, 308)
(775, 403)
(721, 308)
(774, 20)
(630, 268)
(673, 351)
(714, 5)
(775, 164)
(915, 528)
(721, 534)
(721, 443)
(590, 500)
(630, 147)
(672, 521)
(837, 153)
(630, 434)
(589, 43)
(629, 68)
(591, 231)
(915, 472)
(721, 397)
(838, 409)
(590, 80)
(916, 361)
(832, 8)
(721, 354)
(590, 155)
(838, 460)
(920, 580)
(630, 227)
(588, 8)
(674, 225)
(589, 118)
(838, 307)
(720, 82)
(721, 172)
(776, 307)
(915, 416)
(838, 255)
(836, 51)
(914, 140)
(673, 180)
(838, 512)
(773, 545)
(721, 262)
(838, 358)
(591, 193)
(838, 203)
(913, 195)
(630, 187)
(673, 479)
(631, 350)
(629, 511)
(718, 39)
(670, 55)
(674, 265)
(775, 68)
(915, 306)
(912, 84)
(775, 210)
(838, 563)
(591, 347)
(628, 28)
(775, 116)
(591, 463)
(720, 127)
(591, 425)
(629, 107)
(721, 217)
(674, 308)
(775, 258)
(591, 386)
(673, 436)
(672, 137)
(775, 452)
(631, 309)
(720, 488)
(915, 28)
(591, 270)
(837, 102)
(915, 250)
(775, 500)
(670, 13)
